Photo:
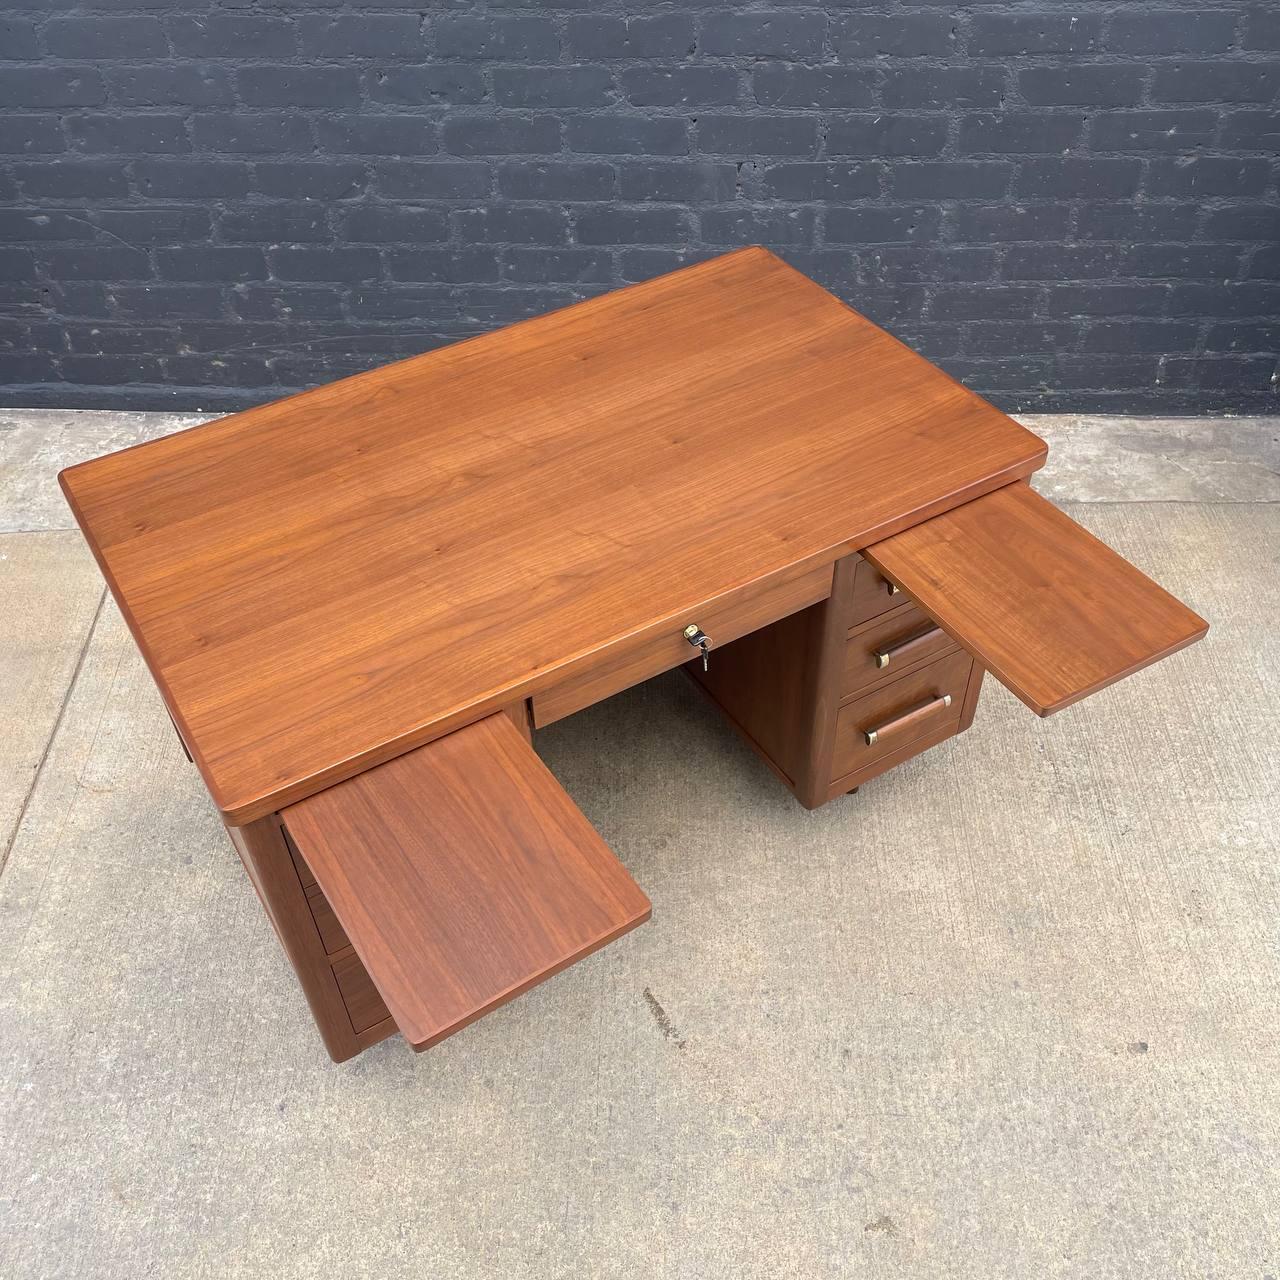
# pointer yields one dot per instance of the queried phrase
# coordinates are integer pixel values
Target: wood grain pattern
(463, 875)
(321, 584)
(1050, 611)
(664, 647)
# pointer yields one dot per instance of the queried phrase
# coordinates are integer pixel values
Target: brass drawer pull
(911, 718)
(906, 648)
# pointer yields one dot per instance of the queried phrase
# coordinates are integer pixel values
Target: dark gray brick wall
(208, 205)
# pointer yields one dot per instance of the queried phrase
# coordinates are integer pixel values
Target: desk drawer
(881, 650)
(872, 594)
(724, 619)
(299, 862)
(332, 934)
(364, 1005)
(898, 713)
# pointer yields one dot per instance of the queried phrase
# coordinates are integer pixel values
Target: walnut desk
(358, 602)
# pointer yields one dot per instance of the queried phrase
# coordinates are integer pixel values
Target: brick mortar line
(668, 231)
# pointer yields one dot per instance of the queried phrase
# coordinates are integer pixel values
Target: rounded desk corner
(235, 812)
(65, 478)
(1035, 462)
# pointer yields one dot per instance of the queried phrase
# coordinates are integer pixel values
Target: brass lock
(695, 635)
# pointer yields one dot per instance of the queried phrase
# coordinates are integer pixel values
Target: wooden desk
(356, 602)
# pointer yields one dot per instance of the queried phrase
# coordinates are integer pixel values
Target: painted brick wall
(207, 205)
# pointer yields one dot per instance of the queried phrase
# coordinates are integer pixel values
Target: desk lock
(695, 635)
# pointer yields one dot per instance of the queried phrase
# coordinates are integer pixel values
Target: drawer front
(299, 862)
(724, 619)
(332, 934)
(881, 650)
(896, 714)
(872, 594)
(361, 997)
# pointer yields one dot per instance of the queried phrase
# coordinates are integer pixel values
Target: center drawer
(658, 649)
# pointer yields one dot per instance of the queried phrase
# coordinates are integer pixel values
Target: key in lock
(695, 635)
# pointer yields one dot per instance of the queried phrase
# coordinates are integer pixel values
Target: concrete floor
(1011, 1011)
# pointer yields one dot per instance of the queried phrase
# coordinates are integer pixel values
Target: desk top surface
(323, 583)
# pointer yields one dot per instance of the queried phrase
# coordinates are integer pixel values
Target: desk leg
(266, 857)
(521, 716)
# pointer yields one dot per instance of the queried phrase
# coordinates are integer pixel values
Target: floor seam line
(53, 528)
(1065, 500)
(1050, 494)
(53, 731)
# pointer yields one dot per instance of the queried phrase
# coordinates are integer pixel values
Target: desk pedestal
(838, 693)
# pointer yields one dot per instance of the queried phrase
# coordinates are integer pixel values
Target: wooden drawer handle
(909, 719)
(906, 648)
